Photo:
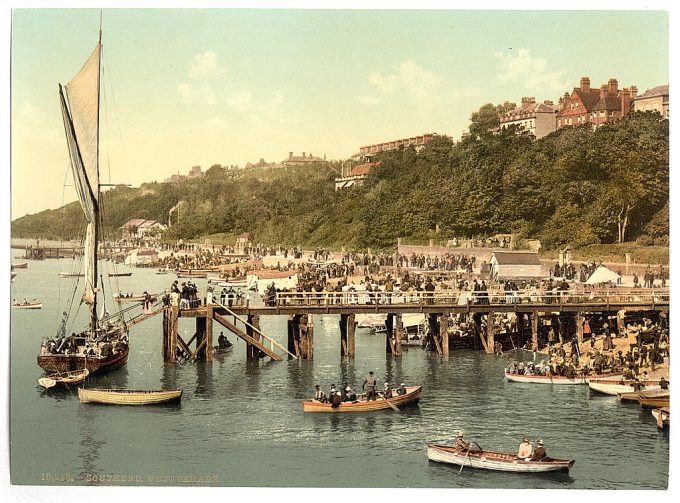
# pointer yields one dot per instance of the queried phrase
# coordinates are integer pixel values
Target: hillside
(575, 186)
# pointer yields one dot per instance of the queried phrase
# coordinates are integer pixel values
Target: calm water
(242, 422)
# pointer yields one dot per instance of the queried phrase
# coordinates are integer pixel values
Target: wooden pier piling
(399, 328)
(534, 331)
(444, 334)
(490, 333)
(347, 328)
(252, 351)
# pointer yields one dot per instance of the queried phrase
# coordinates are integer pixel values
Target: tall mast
(95, 251)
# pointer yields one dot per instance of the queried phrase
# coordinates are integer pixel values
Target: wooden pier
(567, 311)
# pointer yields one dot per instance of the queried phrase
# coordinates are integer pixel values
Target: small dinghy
(616, 387)
(128, 396)
(662, 416)
(29, 305)
(498, 461)
(218, 351)
(541, 379)
(57, 379)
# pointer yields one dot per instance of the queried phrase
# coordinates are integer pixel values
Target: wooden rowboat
(541, 379)
(636, 397)
(616, 387)
(35, 305)
(132, 298)
(653, 403)
(411, 397)
(498, 461)
(67, 379)
(119, 274)
(128, 396)
(192, 273)
(218, 351)
(71, 275)
(662, 416)
(20, 266)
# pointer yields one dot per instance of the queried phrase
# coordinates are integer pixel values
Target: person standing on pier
(369, 386)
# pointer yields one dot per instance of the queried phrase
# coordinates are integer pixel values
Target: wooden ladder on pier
(269, 351)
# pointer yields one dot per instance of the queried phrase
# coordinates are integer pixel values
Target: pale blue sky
(232, 86)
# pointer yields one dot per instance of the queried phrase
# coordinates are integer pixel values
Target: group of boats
(649, 394)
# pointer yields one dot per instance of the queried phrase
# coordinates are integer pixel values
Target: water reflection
(204, 382)
(90, 443)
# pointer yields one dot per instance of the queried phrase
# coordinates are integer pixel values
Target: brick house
(595, 106)
(537, 118)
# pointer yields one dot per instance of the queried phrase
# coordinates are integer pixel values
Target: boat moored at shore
(563, 380)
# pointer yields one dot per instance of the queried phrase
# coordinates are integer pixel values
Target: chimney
(613, 86)
(585, 84)
(625, 101)
(290, 155)
(548, 102)
(527, 100)
(633, 91)
(311, 155)
(603, 91)
(303, 154)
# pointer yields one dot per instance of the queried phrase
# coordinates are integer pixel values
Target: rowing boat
(20, 266)
(192, 273)
(653, 403)
(498, 461)
(35, 305)
(640, 395)
(411, 396)
(119, 274)
(218, 351)
(57, 379)
(132, 298)
(541, 379)
(128, 397)
(617, 387)
(662, 416)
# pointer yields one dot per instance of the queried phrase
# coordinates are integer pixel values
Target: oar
(464, 460)
(391, 404)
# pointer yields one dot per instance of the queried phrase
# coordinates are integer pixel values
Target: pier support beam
(306, 331)
(209, 335)
(251, 351)
(400, 333)
(200, 352)
(534, 331)
(490, 336)
(170, 316)
(389, 334)
(580, 319)
(434, 336)
(444, 334)
(294, 334)
(347, 327)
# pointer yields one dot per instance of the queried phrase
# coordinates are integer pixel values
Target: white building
(540, 119)
(514, 265)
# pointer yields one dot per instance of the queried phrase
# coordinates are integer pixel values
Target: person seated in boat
(343, 392)
(530, 369)
(44, 347)
(335, 400)
(570, 371)
(89, 350)
(520, 368)
(25, 301)
(119, 346)
(663, 383)
(332, 391)
(319, 395)
(526, 449)
(223, 342)
(512, 369)
(387, 392)
(585, 370)
(51, 346)
(644, 376)
(401, 390)
(461, 444)
(637, 386)
(351, 395)
(369, 386)
(539, 452)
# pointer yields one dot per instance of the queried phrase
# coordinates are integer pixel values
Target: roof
(528, 111)
(245, 235)
(609, 102)
(654, 92)
(150, 223)
(589, 99)
(516, 258)
(363, 169)
(135, 222)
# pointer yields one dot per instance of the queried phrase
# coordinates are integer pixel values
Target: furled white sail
(81, 122)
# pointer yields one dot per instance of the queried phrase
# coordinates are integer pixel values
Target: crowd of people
(346, 393)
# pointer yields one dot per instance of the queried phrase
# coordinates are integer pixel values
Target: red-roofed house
(595, 106)
(356, 177)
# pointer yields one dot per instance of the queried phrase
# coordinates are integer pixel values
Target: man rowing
(461, 444)
(539, 453)
(319, 395)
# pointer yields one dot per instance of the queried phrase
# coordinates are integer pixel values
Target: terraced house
(595, 106)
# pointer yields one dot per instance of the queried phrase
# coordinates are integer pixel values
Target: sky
(187, 87)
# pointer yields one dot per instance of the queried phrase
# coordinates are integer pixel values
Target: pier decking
(300, 307)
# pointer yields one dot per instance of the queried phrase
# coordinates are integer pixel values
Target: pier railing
(464, 298)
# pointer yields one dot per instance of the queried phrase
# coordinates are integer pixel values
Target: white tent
(602, 275)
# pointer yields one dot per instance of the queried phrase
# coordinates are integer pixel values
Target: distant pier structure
(564, 313)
